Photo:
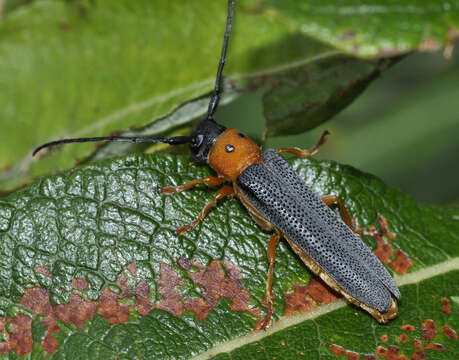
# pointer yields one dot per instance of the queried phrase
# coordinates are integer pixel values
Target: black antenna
(216, 96)
(136, 139)
(177, 139)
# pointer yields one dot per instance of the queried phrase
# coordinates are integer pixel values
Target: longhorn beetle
(279, 201)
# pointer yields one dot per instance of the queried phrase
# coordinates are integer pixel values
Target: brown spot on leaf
(172, 299)
(435, 346)
(77, 311)
(384, 229)
(446, 305)
(80, 284)
(4, 348)
(143, 304)
(417, 343)
(298, 300)
(320, 292)
(448, 332)
(381, 351)
(352, 355)
(429, 330)
(213, 279)
(407, 327)
(43, 271)
(197, 306)
(418, 355)
(132, 268)
(110, 309)
(402, 262)
(36, 300)
(383, 250)
(216, 284)
(20, 337)
(403, 338)
(384, 338)
(336, 349)
(391, 353)
(50, 343)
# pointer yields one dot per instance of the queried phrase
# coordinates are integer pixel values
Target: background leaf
(80, 68)
(369, 29)
(74, 238)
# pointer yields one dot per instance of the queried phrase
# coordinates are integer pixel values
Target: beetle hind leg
(352, 222)
(306, 153)
(269, 293)
(221, 193)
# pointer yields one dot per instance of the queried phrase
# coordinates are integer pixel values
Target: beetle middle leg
(352, 222)
(269, 293)
(306, 153)
(221, 193)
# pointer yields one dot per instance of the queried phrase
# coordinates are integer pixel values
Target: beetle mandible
(279, 201)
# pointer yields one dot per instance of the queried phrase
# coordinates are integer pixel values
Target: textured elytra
(283, 198)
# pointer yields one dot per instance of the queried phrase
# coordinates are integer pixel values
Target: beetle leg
(352, 222)
(305, 153)
(221, 193)
(269, 293)
(210, 180)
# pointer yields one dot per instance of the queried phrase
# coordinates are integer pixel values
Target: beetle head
(203, 139)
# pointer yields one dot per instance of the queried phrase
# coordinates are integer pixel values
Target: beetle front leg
(210, 180)
(221, 193)
(306, 153)
(269, 293)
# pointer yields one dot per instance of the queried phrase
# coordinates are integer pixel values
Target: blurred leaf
(368, 29)
(73, 69)
(83, 68)
(301, 99)
(100, 238)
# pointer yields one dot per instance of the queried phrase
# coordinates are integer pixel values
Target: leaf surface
(90, 264)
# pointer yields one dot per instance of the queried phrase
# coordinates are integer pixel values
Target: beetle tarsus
(302, 153)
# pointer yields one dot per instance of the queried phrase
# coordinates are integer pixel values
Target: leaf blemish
(216, 284)
(407, 327)
(449, 332)
(298, 300)
(429, 330)
(446, 305)
(80, 284)
(403, 338)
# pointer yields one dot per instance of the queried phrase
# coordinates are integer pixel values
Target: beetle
(279, 201)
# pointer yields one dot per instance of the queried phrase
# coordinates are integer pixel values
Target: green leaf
(145, 66)
(369, 29)
(99, 240)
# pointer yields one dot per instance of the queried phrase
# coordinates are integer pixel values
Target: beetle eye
(241, 135)
(229, 148)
